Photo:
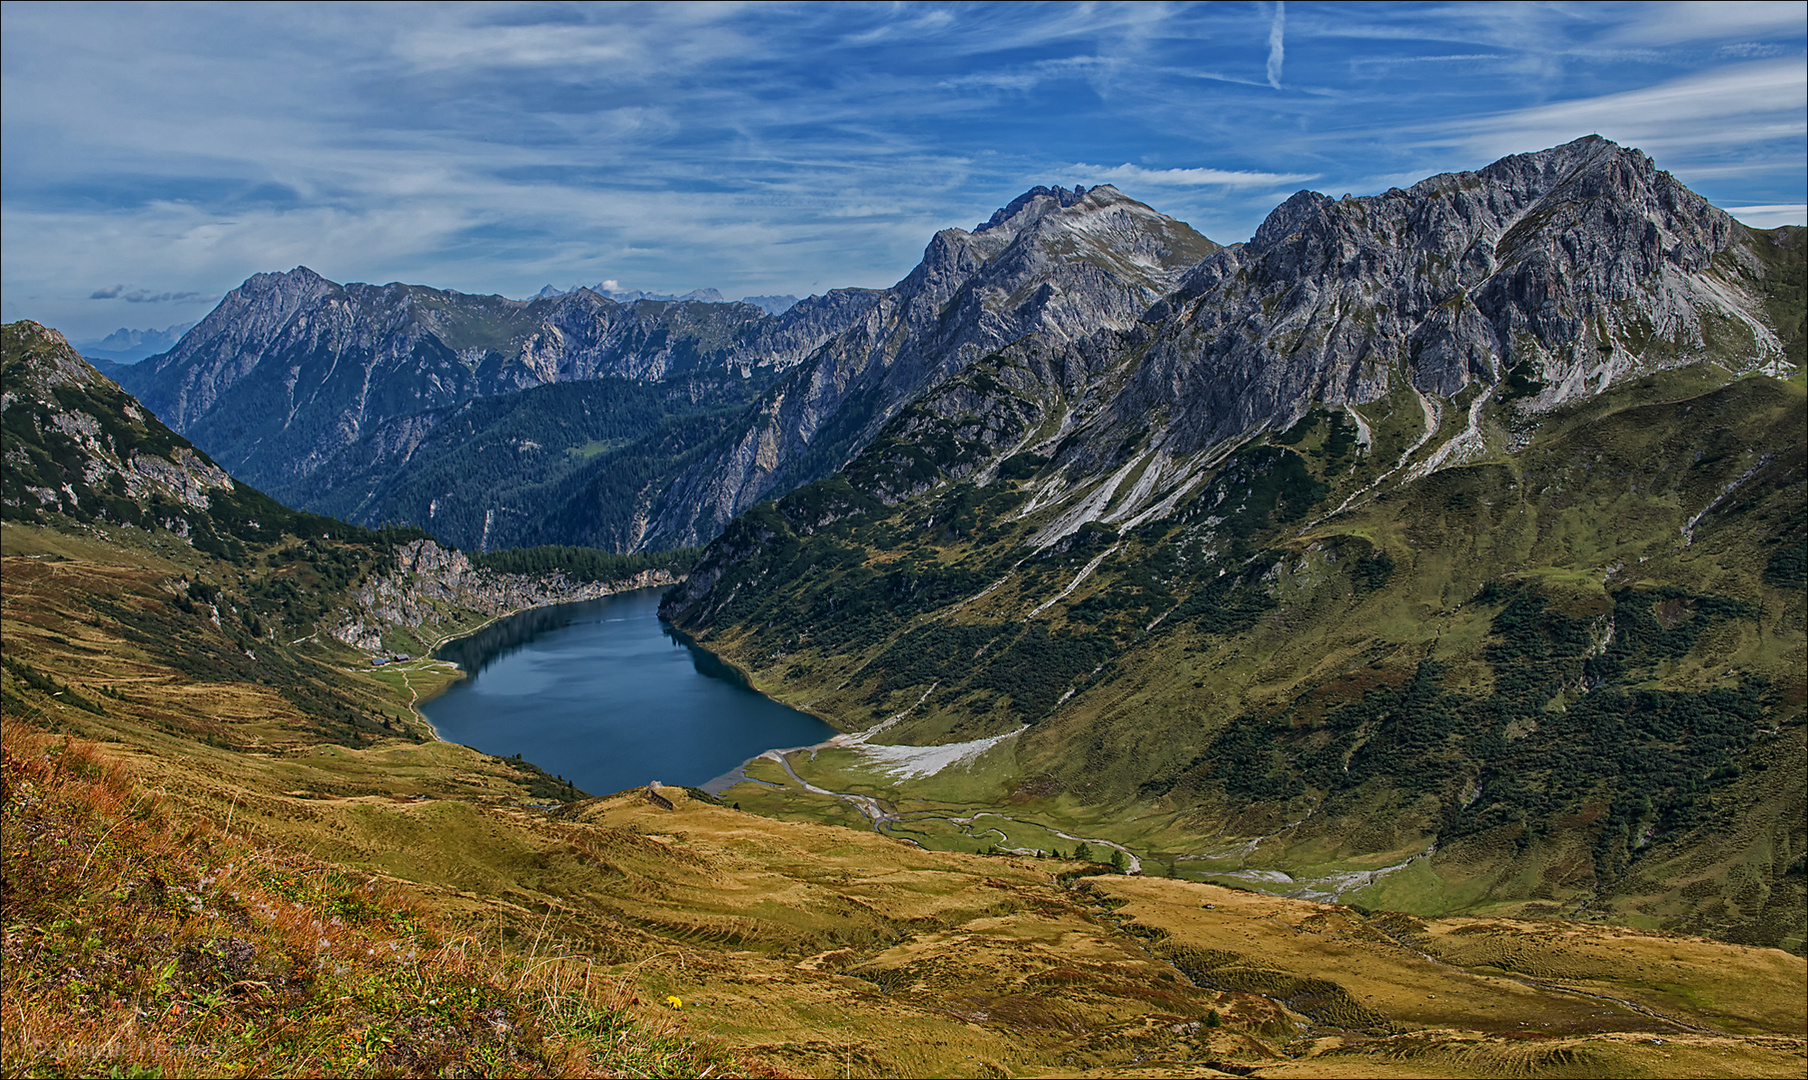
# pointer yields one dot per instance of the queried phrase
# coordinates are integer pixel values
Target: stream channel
(607, 696)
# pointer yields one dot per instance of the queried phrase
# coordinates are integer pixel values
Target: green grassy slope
(1568, 672)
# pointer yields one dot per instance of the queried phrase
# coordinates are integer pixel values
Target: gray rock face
(1583, 263)
(291, 368)
(1572, 268)
(1550, 276)
(1117, 331)
(1073, 270)
(78, 445)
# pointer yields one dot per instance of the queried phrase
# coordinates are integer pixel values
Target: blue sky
(153, 156)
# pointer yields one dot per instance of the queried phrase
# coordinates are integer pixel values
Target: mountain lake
(606, 695)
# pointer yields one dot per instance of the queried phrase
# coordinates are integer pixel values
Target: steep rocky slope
(425, 582)
(1575, 268)
(1070, 271)
(1443, 549)
(81, 448)
(502, 471)
(338, 397)
(1550, 275)
(292, 368)
(1547, 276)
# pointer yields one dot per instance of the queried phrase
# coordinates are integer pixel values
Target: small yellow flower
(674, 1001)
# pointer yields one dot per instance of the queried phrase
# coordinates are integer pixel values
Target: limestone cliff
(1072, 270)
(79, 446)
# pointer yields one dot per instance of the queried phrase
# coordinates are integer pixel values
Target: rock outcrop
(1072, 269)
(79, 446)
(429, 579)
(1552, 275)
(1577, 266)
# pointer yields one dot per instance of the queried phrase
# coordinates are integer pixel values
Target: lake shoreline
(609, 692)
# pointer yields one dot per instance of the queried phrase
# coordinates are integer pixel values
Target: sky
(152, 156)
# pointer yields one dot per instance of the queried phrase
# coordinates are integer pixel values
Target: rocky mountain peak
(1058, 196)
(1576, 267)
(291, 369)
(1567, 269)
(78, 445)
(45, 360)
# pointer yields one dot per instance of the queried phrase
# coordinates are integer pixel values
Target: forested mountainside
(575, 463)
(1442, 549)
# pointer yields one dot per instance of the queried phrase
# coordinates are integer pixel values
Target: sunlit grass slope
(144, 941)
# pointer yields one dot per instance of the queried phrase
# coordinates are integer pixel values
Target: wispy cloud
(146, 296)
(1735, 104)
(791, 148)
(929, 22)
(1677, 23)
(1276, 49)
(1769, 217)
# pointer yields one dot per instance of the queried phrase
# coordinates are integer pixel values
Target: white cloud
(1745, 103)
(1716, 20)
(1769, 217)
(930, 22)
(1276, 50)
(628, 44)
(1136, 174)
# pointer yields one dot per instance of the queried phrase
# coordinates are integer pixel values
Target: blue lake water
(609, 697)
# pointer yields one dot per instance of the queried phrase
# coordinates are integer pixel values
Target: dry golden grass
(141, 942)
(1487, 997)
(805, 948)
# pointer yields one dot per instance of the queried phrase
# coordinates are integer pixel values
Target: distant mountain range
(1573, 268)
(324, 393)
(771, 305)
(125, 346)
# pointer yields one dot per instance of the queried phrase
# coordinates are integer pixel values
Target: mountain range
(1437, 550)
(125, 346)
(1575, 267)
(1375, 593)
(1387, 540)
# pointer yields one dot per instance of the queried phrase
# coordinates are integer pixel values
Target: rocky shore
(430, 582)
